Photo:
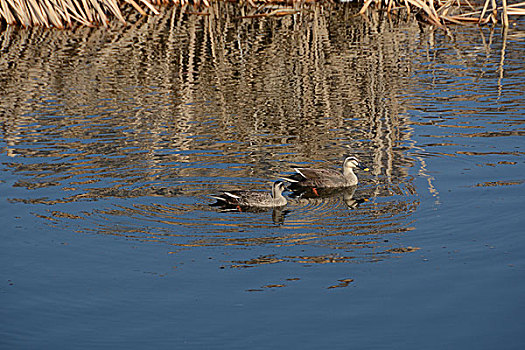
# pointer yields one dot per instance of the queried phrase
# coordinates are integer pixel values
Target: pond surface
(113, 141)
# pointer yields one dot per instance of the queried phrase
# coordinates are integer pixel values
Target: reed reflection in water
(128, 132)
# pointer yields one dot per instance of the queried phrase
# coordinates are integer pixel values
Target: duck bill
(362, 167)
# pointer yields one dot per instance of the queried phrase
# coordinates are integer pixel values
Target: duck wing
(253, 198)
(245, 198)
(231, 197)
(319, 177)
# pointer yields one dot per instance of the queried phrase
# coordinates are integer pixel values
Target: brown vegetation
(66, 13)
(441, 12)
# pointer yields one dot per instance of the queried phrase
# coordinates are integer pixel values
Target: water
(114, 140)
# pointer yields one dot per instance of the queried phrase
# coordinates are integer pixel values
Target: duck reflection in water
(300, 194)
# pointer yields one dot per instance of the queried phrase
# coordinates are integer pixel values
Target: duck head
(352, 162)
(277, 189)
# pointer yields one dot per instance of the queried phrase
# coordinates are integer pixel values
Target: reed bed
(66, 13)
(439, 13)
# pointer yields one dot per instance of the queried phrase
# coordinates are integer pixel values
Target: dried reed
(64, 13)
(452, 11)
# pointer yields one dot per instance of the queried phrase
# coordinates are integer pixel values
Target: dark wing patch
(319, 177)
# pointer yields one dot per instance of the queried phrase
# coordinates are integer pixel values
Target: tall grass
(441, 12)
(65, 13)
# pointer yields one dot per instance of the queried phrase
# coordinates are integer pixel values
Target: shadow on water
(127, 132)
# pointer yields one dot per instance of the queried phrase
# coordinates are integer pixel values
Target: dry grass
(441, 12)
(65, 13)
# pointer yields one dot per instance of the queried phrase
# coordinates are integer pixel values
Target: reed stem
(65, 13)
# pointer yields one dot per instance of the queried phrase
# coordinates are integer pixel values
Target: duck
(254, 199)
(327, 178)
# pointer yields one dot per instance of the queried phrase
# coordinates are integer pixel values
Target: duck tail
(231, 195)
(218, 198)
(290, 179)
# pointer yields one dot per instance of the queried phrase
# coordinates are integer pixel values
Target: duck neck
(349, 175)
(275, 193)
(278, 198)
